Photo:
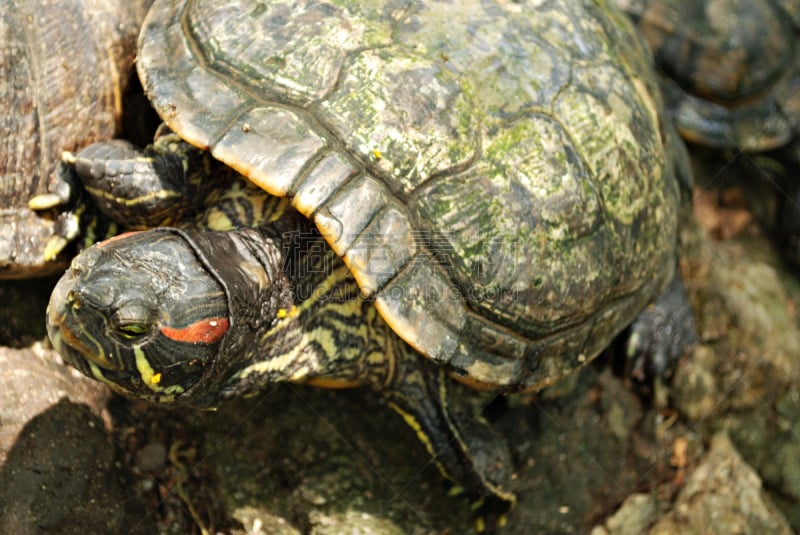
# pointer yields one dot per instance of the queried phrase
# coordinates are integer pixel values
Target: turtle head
(143, 313)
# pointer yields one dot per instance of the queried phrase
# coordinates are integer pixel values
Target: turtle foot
(661, 333)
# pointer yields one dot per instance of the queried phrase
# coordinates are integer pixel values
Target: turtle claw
(53, 248)
(63, 192)
(45, 201)
(70, 225)
(489, 514)
(488, 511)
(69, 158)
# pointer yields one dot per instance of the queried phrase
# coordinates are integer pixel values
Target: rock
(60, 476)
(152, 456)
(634, 516)
(743, 377)
(353, 523)
(58, 469)
(723, 495)
(257, 522)
(33, 380)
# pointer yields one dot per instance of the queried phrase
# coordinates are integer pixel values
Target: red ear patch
(205, 331)
(112, 239)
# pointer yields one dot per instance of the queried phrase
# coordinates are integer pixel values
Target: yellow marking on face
(146, 372)
(283, 313)
(166, 396)
(98, 356)
(97, 373)
(152, 378)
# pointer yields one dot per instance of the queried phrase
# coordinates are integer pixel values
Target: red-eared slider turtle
(731, 80)
(64, 67)
(731, 67)
(496, 177)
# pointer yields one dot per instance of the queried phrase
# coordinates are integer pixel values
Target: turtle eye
(132, 321)
(132, 330)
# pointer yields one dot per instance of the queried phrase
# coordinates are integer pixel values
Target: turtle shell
(731, 67)
(64, 67)
(494, 174)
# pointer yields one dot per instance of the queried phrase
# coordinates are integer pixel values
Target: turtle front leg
(156, 186)
(468, 452)
(113, 185)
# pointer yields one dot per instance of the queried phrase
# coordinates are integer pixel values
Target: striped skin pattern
(191, 317)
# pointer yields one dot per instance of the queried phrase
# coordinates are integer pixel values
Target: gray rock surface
(59, 472)
(722, 496)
